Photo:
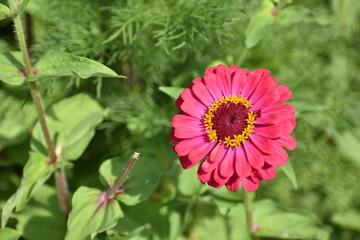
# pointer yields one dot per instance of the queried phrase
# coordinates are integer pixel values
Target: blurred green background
(313, 46)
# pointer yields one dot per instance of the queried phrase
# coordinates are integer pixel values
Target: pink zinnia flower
(234, 120)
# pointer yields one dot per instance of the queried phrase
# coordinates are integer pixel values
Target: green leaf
(349, 144)
(36, 172)
(16, 119)
(275, 222)
(4, 11)
(238, 223)
(20, 7)
(42, 217)
(349, 220)
(188, 183)
(11, 66)
(71, 123)
(173, 92)
(290, 173)
(142, 180)
(92, 213)
(57, 64)
(259, 24)
(209, 224)
(9, 234)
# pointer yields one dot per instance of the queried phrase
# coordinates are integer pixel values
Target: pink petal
(267, 172)
(279, 157)
(198, 80)
(212, 182)
(188, 96)
(249, 184)
(269, 131)
(192, 109)
(187, 126)
(173, 138)
(223, 77)
(287, 126)
(213, 86)
(266, 100)
(186, 146)
(210, 70)
(200, 152)
(253, 155)
(285, 95)
(286, 141)
(265, 86)
(226, 167)
(185, 162)
(203, 94)
(218, 178)
(233, 183)
(204, 173)
(242, 166)
(284, 110)
(253, 81)
(263, 144)
(218, 153)
(207, 165)
(268, 119)
(238, 81)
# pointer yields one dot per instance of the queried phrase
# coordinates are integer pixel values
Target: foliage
(80, 51)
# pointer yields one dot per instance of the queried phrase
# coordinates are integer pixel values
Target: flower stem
(121, 179)
(36, 96)
(249, 217)
(242, 57)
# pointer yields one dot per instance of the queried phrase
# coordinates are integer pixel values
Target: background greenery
(311, 45)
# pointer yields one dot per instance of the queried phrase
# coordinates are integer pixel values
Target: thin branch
(120, 180)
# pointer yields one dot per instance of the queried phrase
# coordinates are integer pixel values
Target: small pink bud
(21, 74)
(104, 198)
(34, 71)
(255, 227)
(274, 12)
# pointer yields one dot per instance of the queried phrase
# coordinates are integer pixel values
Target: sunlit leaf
(9, 234)
(16, 119)
(237, 222)
(349, 144)
(4, 11)
(36, 172)
(92, 213)
(290, 173)
(72, 123)
(275, 222)
(188, 183)
(173, 92)
(11, 68)
(42, 217)
(57, 64)
(259, 23)
(347, 219)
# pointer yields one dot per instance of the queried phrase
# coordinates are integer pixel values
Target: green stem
(249, 217)
(120, 180)
(36, 96)
(242, 57)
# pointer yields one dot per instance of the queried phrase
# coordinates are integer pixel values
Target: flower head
(233, 121)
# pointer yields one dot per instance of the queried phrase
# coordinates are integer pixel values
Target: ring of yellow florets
(235, 140)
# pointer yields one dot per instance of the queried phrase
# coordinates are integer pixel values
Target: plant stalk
(249, 217)
(121, 179)
(242, 57)
(36, 96)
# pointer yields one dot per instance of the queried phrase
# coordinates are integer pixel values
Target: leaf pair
(94, 212)
(72, 124)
